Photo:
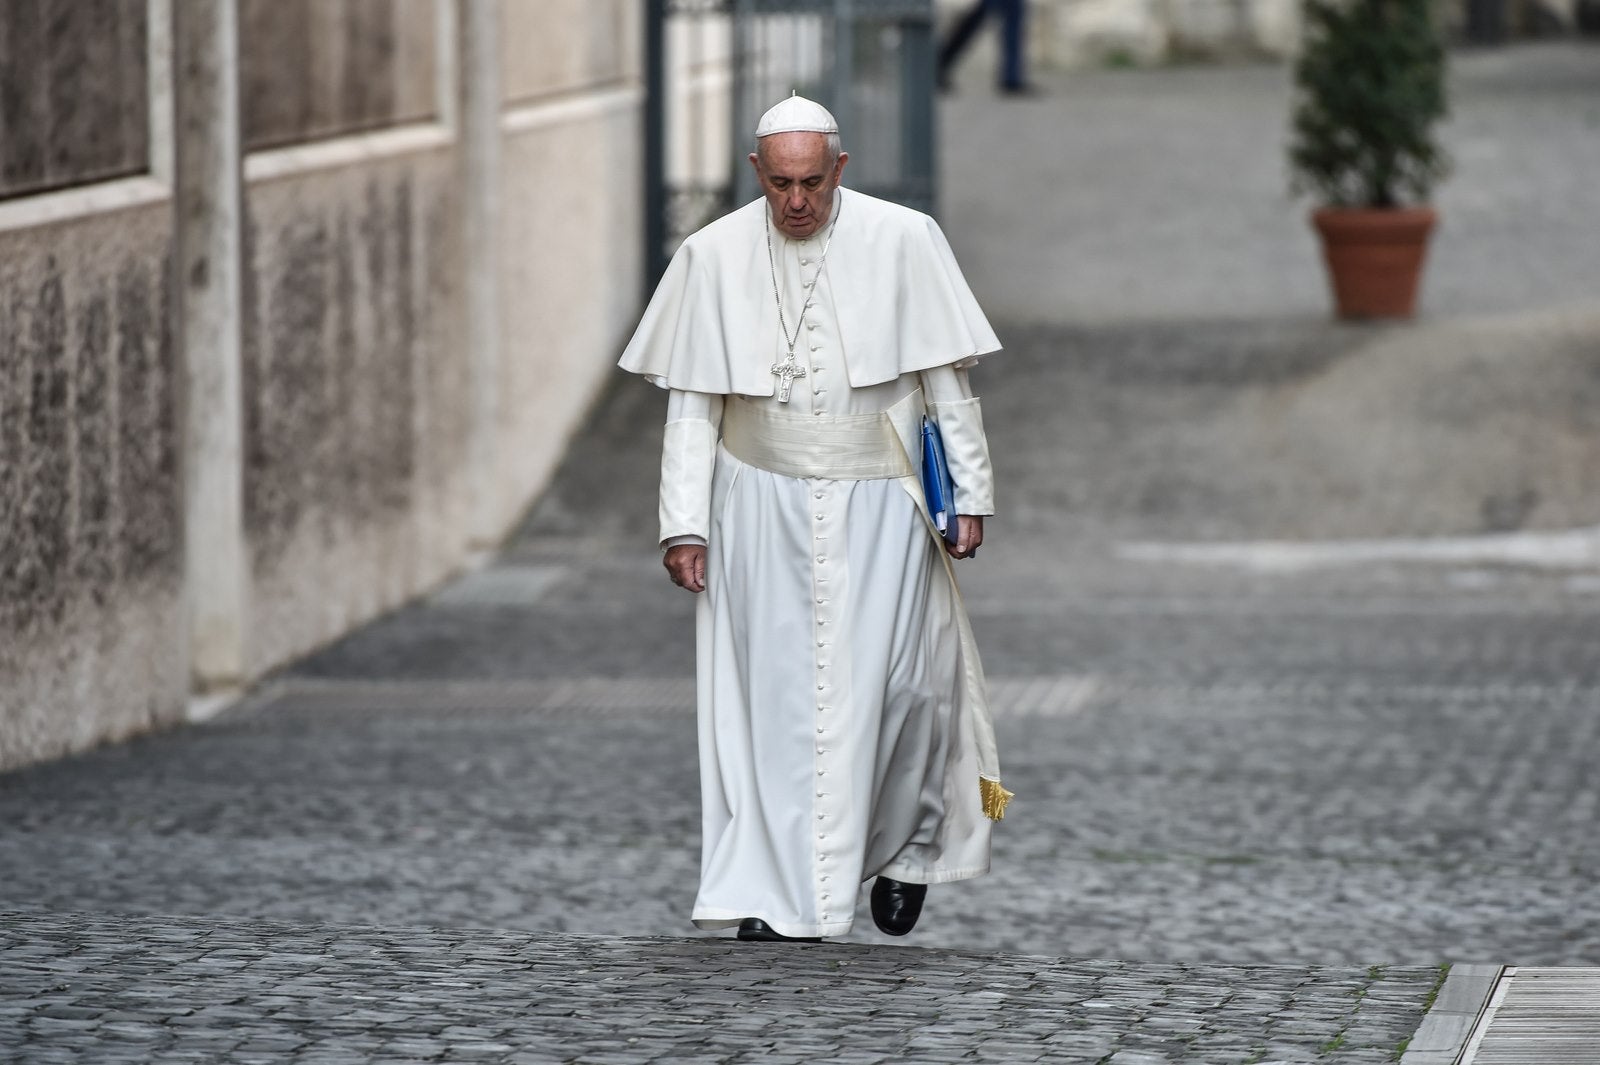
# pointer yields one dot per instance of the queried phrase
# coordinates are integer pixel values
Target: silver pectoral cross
(786, 372)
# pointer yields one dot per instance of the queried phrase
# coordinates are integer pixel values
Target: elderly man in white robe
(843, 719)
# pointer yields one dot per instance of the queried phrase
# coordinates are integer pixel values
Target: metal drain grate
(1540, 1016)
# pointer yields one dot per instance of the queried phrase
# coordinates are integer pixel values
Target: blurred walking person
(1012, 14)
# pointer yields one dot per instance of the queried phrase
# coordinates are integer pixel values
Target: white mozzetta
(901, 302)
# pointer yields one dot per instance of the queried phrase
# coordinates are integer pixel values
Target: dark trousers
(1010, 13)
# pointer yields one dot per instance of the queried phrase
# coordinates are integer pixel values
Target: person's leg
(1012, 14)
(961, 35)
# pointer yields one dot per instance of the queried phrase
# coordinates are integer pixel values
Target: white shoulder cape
(902, 303)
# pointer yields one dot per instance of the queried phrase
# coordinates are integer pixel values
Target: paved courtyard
(1261, 805)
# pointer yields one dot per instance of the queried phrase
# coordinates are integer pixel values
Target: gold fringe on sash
(994, 797)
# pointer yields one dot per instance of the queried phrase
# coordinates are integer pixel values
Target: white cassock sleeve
(688, 455)
(950, 402)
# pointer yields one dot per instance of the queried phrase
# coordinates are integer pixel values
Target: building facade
(300, 301)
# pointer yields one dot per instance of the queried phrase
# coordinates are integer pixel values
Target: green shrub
(1369, 91)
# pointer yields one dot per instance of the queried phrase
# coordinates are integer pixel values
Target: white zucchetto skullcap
(796, 115)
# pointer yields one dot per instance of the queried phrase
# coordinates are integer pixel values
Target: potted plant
(1369, 91)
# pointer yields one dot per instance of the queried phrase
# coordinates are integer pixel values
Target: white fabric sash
(836, 447)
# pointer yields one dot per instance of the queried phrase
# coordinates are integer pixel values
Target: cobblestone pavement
(1277, 802)
(96, 988)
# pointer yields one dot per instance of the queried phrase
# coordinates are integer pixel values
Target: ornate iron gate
(713, 66)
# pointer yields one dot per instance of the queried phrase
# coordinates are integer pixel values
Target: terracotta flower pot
(1374, 257)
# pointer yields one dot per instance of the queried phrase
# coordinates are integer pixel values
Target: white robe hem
(914, 874)
(716, 920)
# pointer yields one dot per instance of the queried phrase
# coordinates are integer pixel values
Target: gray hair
(834, 144)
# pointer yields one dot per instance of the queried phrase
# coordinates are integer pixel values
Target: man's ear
(838, 168)
(755, 163)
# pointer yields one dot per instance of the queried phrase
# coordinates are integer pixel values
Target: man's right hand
(687, 565)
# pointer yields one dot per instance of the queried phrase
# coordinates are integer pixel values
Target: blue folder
(937, 486)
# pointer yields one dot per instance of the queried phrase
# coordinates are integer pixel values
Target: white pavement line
(1375, 605)
(1455, 1013)
(1569, 549)
(207, 706)
(1539, 1016)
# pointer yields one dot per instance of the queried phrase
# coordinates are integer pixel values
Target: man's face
(798, 176)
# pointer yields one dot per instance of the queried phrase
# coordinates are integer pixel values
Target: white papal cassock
(842, 717)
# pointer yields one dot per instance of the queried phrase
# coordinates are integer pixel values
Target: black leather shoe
(754, 929)
(896, 905)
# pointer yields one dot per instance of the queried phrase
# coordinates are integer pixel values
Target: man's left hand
(969, 534)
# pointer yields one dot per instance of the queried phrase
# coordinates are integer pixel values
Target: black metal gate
(713, 66)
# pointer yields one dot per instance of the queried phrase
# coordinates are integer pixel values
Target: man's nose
(797, 200)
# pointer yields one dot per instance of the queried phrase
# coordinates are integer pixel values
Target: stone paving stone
(664, 1000)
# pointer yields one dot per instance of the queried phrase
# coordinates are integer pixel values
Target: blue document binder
(936, 483)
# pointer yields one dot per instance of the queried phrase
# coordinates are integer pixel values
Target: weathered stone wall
(73, 82)
(564, 46)
(355, 434)
(91, 567)
(311, 69)
(312, 325)
(356, 427)
(91, 563)
(572, 215)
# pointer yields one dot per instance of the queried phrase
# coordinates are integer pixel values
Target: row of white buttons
(820, 577)
(823, 857)
(816, 393)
